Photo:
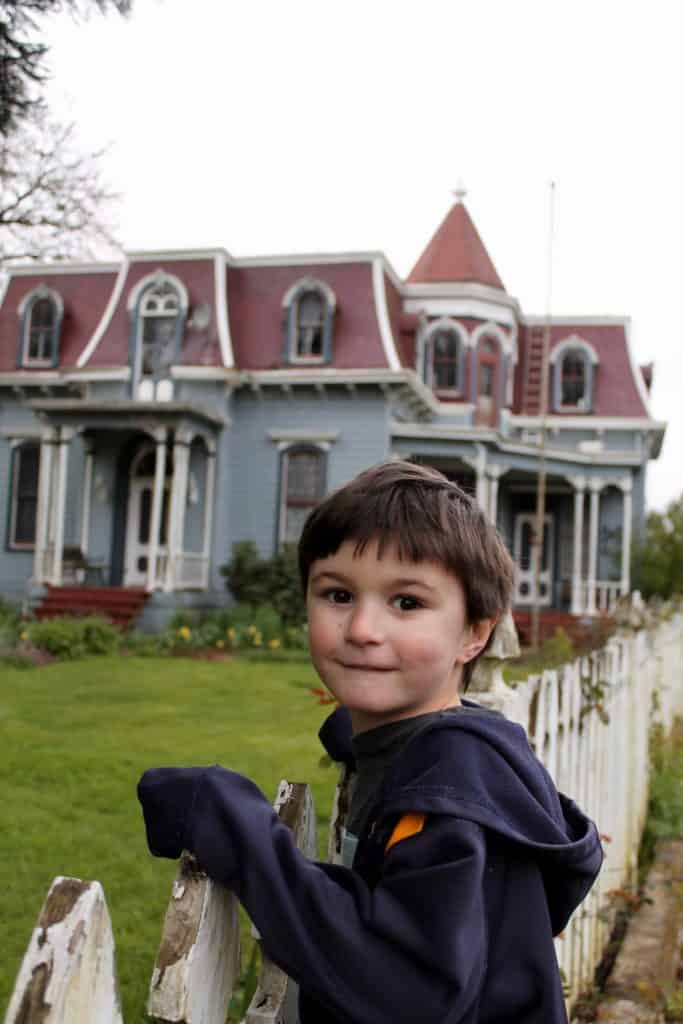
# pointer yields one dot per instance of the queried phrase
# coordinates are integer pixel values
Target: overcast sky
(268, 127)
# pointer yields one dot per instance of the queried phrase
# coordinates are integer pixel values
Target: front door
(525, 559)
(138, 529)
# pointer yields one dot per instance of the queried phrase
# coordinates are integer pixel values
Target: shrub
(10, 615)
(144, 645)
(272, 581)
(67, 637)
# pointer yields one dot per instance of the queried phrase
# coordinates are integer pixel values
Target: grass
(76, 737)
(665, 808)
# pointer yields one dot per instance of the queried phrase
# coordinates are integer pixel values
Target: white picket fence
(588, 721)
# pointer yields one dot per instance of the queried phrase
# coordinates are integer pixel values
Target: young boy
(461, 861)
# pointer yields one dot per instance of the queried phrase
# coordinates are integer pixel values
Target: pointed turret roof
(456, 253)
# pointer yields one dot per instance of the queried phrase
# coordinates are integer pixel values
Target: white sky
(270, 127)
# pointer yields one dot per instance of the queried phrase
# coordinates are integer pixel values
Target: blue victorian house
(155, 411)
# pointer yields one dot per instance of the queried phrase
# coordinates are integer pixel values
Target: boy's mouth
(366, 668)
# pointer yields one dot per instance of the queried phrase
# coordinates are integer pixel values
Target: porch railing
(191, 571)
(606, 593)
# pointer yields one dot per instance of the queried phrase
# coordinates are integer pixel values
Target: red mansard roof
(200, 347)
(615, 389)
(456, 253)
(84, 294)
(255, 295)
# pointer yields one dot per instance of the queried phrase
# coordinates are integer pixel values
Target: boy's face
(389, 637)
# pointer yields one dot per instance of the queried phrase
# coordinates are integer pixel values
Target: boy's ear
(477, 639)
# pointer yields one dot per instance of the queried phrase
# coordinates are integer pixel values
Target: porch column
(87, 500)
(47, 442)
(176, 529)
(579, 498)
(208, 508)
(626, 486)
(65, 435)
(595, 485)
(160, 436)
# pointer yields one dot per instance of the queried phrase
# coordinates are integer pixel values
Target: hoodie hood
(476, 765)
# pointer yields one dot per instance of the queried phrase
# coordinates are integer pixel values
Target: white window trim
(444, 323)
(284, 448)
(290, 304)
(557, 356)
(25, 312)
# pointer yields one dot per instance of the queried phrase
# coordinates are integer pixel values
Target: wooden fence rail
(588, 721)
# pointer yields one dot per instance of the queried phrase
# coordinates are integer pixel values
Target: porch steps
(582, 630)
(533, 369)
(120, 605)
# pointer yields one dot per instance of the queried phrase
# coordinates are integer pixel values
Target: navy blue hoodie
(452, 925)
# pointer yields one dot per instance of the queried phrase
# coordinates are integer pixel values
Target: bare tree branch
(53, 202)
(22, 54)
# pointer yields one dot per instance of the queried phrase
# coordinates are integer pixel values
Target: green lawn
(75, 739)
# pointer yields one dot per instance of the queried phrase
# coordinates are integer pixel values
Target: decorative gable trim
(574, 341)
(388, 342)
(106, 316)
(222, 317)
(635, 371)
(150, 280)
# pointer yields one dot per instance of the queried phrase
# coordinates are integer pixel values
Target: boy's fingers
(166, 796)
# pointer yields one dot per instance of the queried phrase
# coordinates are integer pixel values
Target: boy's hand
(167, 796)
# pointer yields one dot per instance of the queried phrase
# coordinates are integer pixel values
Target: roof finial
(460, 191)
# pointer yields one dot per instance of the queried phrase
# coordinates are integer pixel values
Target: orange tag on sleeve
(409, 825)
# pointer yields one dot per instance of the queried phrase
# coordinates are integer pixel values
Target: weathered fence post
(68, 975)
(276, 998)
(198, 961)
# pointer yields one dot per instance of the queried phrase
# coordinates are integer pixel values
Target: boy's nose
(364, 625)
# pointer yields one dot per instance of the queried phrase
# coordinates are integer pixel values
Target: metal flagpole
(539, 524)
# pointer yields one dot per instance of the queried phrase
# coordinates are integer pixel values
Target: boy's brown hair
(429, 518)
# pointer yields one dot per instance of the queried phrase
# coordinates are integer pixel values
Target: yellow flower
(220, 643)
(23, 636)
(274, 644)
(252, 630)
(230, 633)
(185, 632)
(257, 639)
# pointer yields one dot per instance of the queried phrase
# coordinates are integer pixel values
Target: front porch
(586, 550)
(143, 514)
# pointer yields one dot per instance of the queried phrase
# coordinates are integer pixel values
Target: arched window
(573, 368)
(158, 306)
(41, 314)
(301, 488)
(443, 353)
(309, 318)
(159, 312)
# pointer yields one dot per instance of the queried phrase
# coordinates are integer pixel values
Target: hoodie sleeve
(412, 948)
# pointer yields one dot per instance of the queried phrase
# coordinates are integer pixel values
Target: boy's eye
(337, 596)
(405, 603)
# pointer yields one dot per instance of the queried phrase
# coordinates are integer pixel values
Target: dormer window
(442, 358)
(158, 306)
(159, 314)
(573, 366)
(309, 308)
(41, 318)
